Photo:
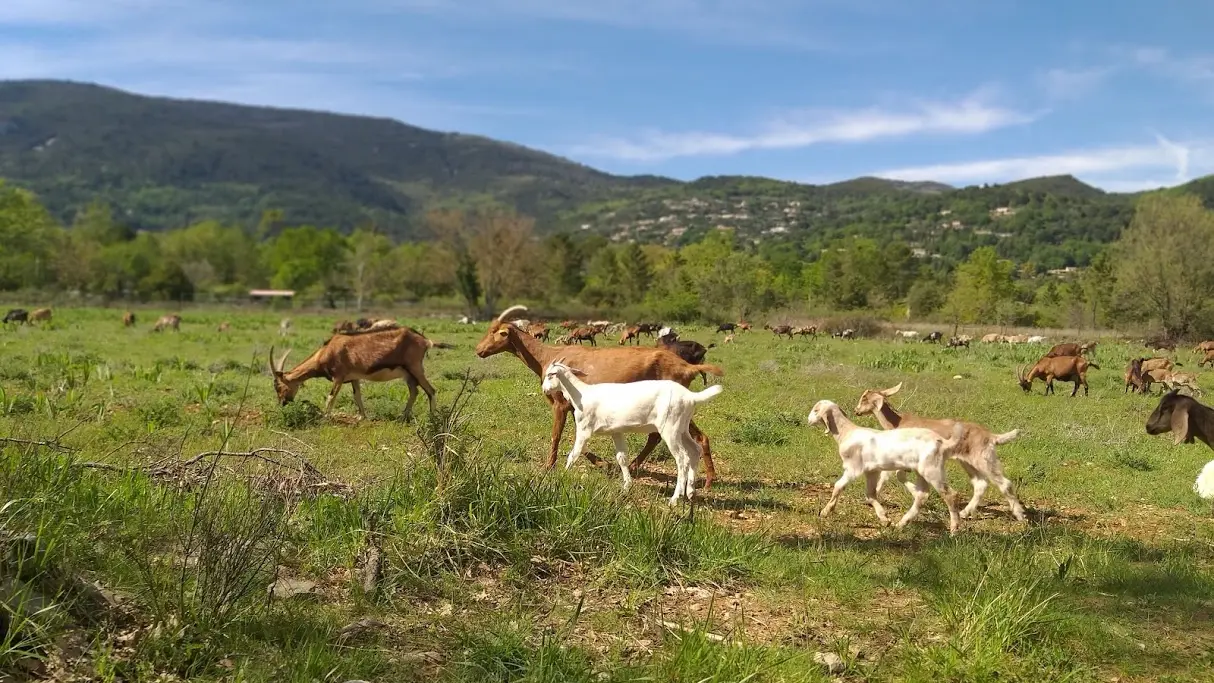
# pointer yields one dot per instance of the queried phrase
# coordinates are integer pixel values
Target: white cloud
(1065, 84)
(1101, 166)
(803, 129)
(1198, 68)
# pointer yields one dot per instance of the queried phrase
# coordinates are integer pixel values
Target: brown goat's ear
(1180, 424)
(830, 422)
(892, 390)
(577, 371)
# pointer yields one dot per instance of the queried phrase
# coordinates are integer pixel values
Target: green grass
(493, 569)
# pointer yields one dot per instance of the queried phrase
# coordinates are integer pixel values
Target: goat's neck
(572, 388)
(531, 351)
(308, 368)
(888, 417)
(843, 426)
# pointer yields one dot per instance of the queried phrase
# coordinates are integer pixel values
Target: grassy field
(491, 569)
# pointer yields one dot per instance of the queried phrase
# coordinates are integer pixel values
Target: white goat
(1204, 486)
(656, 405)
(906, 334)
(869, 452)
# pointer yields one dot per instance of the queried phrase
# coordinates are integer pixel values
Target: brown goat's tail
(439, 345)
(1093, 365)
(714, 370)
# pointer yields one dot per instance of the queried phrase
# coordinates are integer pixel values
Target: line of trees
(1160, 272)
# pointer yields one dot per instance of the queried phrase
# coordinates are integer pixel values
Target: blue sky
(1118, 93)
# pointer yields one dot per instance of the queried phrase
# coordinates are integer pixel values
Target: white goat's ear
(1180, 425)
(892, 390)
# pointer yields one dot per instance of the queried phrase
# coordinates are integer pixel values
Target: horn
(270, 360)
(283, 361)
(508, 311)
(891, 391)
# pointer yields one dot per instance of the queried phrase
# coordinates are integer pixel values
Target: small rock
(958, 376)
(422, 657)
(833, 662)
(290, 588)
(359, 628)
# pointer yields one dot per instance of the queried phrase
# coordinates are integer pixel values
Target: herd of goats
(628, 388)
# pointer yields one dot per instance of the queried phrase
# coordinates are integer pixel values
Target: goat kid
(976, 454)
(870, 452)
(647, 406)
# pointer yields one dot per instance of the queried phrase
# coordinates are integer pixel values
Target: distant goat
(224, 326)
(128, 319)
(691, 351)
(870, 452)
(906, 334)
(780, 330)
(171, 320)
(1134, 379)
(955, 342)
(17, 315)
(40, 315)
(582, 334)
(726, 327)
(284, 327)
(806, 331)
(933, 337)
(1064, 368)
(646, 406)
(848, 333)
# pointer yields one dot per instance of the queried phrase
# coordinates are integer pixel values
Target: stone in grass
(284, 589)
(833, 662)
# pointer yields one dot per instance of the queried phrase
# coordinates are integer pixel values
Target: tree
(635, 273)
(1166, 262)
(367, 262)
(495, 252)
(982, 288)
(28, 236)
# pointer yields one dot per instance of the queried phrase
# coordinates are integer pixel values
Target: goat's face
(284, 388)
(1024, 379)
(823, 414)
(1171, 415)
(552, 376)
(497, 337)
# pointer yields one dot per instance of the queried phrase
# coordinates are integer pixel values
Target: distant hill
(165, 163)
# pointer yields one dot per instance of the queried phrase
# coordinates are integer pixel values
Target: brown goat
(354, 357)
(608, 364)
(780, 330)
(1204, 347)
(1064, 368)
(40, 315)
(976, 454)
(539, 331)
(806, 331)
(165, 321)
(631, 333)
(1063, 350)
(1150, 364)
(1208, 360)
(582, 334)
(1184, 417)
(743, 326)
(225, 326)
(1135, 379)
(128, 319)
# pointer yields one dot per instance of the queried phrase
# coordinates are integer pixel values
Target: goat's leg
(842, 482)
(995, 474)
(621, 457)
(579, 444)
(934, 474)
(680, 466)
(333, 395)
(871, 480)
(691, 460)
(650, 444)
(710, 470)
(560, 413)
(978, 482)
(357, 388)
(920, 494)
(412, 384)
(420, 378)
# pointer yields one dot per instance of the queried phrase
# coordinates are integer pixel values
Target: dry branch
(53, 445)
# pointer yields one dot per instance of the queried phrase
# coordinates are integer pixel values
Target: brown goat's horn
(270, 361)
(283, 361)
(510, 310)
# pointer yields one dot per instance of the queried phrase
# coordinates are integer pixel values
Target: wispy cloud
(1065, 84)
(1109, 163)
(969, 116)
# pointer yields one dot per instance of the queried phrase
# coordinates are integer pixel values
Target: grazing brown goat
(40, 315)
(780, 330)
(1184, 417)
(539, 331)
(1204, 347)
(608, 364)
(743, 326)
(976, 454)
(1152, 364)
(1208, 360)
(1070, 349)
(128, 319)
(648, 329)
(171, 320)
(1064, 368)
(225, 326)
(582, 334)
(354, 357)
(806, 331)
(631, 333)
